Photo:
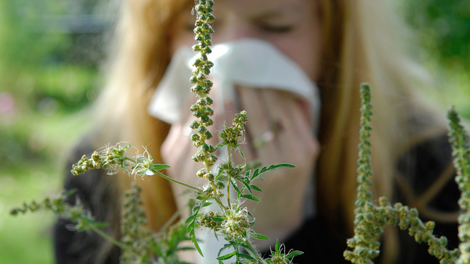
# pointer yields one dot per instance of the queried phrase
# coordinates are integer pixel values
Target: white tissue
(248, 62)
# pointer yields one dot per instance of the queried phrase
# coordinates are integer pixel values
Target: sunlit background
(50, 55)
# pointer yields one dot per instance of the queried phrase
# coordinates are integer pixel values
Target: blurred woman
(338, 44)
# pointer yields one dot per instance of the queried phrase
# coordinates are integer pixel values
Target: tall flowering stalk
(459, 140)
(370, 218)
(202, 108)
(234, 222)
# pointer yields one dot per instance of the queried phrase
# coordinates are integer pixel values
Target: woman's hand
(270, 112)
(280, 211)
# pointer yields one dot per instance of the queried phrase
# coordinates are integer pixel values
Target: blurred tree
(443, 28)
(50, 51)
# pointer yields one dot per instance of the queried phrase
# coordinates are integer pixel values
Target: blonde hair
(359, 46)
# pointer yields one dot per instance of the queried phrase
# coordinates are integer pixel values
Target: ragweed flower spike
(202, 86)
(110, 157)
(459, 141)
(370, 218)
(233, 222)
(133, 228)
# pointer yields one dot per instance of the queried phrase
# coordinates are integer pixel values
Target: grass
(28, 238)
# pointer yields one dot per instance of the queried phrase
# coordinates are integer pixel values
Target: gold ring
(263, 139)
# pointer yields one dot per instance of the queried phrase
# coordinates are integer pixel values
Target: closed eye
(276, 29)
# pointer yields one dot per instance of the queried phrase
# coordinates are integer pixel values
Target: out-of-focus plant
(371, 218)
(442, 29)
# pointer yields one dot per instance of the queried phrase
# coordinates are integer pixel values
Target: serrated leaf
(196, 244)
(275, 167)
(259, 236)
(255, 174)
(248, 248)
(224, 248)
(224, 257)
(247, 173)
(278, 250)
(252, 223)
(159, 166)
(190, 219)
(256, 187)
(185, 248)
(218, 219)
(196, 208)
(241, 152)
(223, 178)
(250, 215)
(190, 227)
(70, 192)
(251, 197)
(235, 186)
(156, 249)
(294, 253)
(206, 204)
(247, 186)
(202, 197)
(246, 256)
(221, 144)
(218, 174)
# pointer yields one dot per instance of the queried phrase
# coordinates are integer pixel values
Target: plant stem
(176, 181)
(229, 177)
(221, 205)
(217, 199)
(112, 240)
(129, 159)
(256, 256)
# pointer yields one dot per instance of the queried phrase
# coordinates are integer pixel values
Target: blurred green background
(50, 55)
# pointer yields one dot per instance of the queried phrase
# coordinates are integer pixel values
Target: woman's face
(293, 26)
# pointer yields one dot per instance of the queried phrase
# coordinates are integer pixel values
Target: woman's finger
(259, 124)
(294, 129)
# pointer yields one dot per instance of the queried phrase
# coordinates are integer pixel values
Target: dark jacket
(425, 181)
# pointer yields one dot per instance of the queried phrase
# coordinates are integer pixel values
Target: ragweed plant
(370, 218)
(461, 152)
(232, 221)
(81, 217)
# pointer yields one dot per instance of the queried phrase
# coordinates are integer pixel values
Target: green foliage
(442, 29)
(133, 224)
(370, 218)
(84, 221)
(23, 43)
(41, 84)
(279, 256)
